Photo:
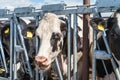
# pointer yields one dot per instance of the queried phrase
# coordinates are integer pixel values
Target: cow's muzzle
(42, 62)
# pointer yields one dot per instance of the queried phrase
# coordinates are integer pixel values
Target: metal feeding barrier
(102, 55)
(59, 9)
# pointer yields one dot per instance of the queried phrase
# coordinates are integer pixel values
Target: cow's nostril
(41, 59)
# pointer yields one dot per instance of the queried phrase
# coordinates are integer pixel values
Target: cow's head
(51, 31)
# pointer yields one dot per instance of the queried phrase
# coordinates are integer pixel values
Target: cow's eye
(55, 38)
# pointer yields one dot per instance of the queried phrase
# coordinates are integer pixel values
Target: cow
(29, 43)
(52, 33)
(112, 32)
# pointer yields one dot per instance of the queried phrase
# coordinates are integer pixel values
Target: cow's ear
(63, 28)
(29, 32)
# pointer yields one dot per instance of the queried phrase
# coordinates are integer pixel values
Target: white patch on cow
(27, 21)
(80, 24)
(118, 19)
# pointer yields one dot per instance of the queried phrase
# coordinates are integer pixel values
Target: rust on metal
(86, 18)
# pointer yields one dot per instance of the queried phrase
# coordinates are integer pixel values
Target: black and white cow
(52, 33)
(113, 36)
(29, 43)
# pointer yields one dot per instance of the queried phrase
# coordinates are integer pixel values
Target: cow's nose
(41, 59)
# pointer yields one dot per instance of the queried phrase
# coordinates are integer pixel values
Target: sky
(11, 4)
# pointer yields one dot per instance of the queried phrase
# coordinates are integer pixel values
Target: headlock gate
(17, 43)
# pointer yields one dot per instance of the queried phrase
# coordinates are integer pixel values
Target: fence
(59, 9)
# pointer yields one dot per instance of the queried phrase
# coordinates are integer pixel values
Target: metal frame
(61, 10)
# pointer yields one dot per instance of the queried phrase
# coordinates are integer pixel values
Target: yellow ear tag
(101, 27)
(2, 70)
(29, 34)
(6, 31)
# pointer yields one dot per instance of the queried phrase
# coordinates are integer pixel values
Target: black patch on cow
(60, 45)
(54, 40)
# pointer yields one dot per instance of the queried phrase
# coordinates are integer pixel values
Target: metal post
(93, 55)
(36, 45)
(58, 67)
(15, 54)
(75, 48)
(69, 46)
(85, 67)
(41, 75)
(11, 47)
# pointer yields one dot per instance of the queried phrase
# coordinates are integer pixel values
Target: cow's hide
(114, 35)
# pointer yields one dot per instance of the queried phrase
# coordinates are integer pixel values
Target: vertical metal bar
(93, 55)
(58, 67)
(11, 47)
(36, 45)
(69, 46)
(41, 75)
(3, 56)
(85, 67)
(75, 48)
(15, 55)
(116, 70)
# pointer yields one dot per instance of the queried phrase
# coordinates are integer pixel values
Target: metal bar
(15, 54)
(93, 55)
(11, 47)
(79, 9)
(36, 45)
(86, 37)
(75, 48)
(69, 47)
(58, 67)
(116, 70)
(41, 75)
(37, 73)
(3, 56)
